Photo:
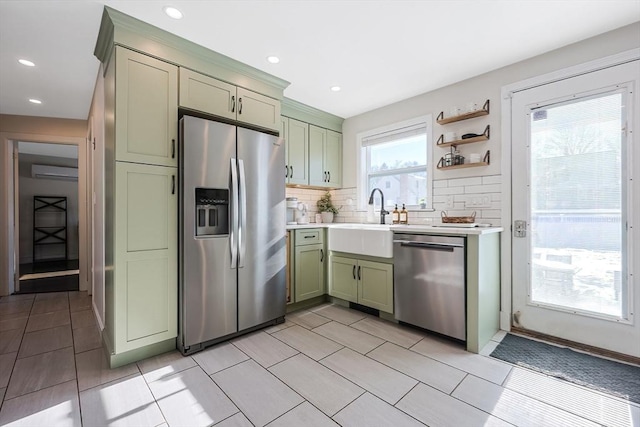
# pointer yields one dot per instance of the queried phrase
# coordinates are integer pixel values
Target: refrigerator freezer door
(208, 283)
(261, 280)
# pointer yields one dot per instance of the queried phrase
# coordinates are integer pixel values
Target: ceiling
(378, 52)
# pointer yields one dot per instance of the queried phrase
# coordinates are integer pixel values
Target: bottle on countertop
(395, 216)
(404, 216)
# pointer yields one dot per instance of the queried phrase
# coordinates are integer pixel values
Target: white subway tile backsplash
(461, 182)
(490, 188)
(492, 179)
(448, 190)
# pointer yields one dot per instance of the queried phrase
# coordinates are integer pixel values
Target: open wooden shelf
(486, 160)
(482, 112)
(483, 137)
(466, 165)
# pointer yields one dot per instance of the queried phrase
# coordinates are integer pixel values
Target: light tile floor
(326, 366)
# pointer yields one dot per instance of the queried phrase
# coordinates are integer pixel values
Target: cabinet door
(333, 159)
(342, 280)
(317, 172)
(309, 274)
(298, 156)
(146, 255)
(146, 108)
(203, 93)
(258, 110)
(375, 285)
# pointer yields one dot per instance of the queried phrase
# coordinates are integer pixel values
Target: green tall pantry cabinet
(142, 247)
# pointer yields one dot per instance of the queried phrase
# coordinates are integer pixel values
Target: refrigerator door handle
(242, 242)
(233, 235)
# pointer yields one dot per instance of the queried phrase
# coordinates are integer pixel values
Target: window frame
(363, 166)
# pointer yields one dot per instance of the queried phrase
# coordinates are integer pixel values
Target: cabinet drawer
(309, 237)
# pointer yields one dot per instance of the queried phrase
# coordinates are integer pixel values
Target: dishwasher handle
(445, 247)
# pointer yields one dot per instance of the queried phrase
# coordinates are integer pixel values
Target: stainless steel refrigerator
(232, 232)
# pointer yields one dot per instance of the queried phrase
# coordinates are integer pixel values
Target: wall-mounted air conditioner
(54, 172)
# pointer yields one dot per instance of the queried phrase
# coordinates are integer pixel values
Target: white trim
(7, 139)
(506, 94)
(427, 120)
(573, 71)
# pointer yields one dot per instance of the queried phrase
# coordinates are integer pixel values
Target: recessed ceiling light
(273, 59)
(172, 12)
(335, 88)
(26, 62)
(35, 101)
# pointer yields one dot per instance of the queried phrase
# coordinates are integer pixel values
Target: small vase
(327, 217)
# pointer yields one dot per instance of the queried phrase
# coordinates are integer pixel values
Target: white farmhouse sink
(362, 239)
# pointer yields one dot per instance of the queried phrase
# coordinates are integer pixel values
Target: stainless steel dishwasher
(429, 282)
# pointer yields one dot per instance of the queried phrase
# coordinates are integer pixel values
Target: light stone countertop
(410, 228)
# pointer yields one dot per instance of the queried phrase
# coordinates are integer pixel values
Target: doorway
(573, 204)
(47, 199)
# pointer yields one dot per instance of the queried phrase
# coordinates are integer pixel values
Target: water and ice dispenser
(212, 212)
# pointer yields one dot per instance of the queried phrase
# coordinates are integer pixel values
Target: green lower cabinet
(364, 282)
(343, 283)
(309, 271)
(146, 251)
(375, 285)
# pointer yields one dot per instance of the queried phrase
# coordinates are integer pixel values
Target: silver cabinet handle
(329, 173)
(321, 255)
(291, 176)
(173, 184)
(354, 272)
(286, 171)
(359, 273)
(239, 105)
(173, 148)
(233, 104)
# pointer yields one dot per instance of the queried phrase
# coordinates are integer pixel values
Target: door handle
(233, 103)
(242, 233)
(173, 184)
(173, 148)
(233, 246)
(321, 255)
(354, 272)
(239, 105)
(358, 272)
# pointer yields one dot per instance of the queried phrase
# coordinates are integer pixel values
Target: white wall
(29, 187)
(483, 180)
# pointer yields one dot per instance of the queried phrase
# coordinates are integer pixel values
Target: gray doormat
(604, 375)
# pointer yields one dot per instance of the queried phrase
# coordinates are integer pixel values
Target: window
(395, 159)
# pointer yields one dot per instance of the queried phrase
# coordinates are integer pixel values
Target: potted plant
(326, 208)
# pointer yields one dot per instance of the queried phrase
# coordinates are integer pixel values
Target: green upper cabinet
(296, 136)
(325, 158)
(146, 109)
(333, 158)
(203, 93)
(258, 110)
(146, 250)
(212, 96)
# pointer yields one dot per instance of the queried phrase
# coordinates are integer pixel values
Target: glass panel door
(574, 203)
(577, 219)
